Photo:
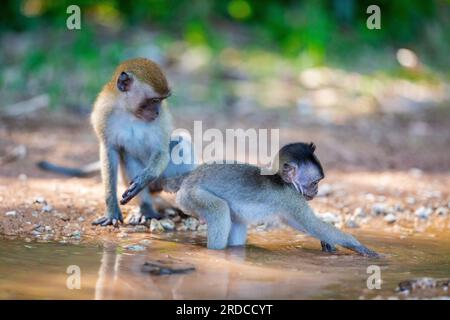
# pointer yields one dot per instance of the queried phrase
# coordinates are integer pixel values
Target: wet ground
(278, 264)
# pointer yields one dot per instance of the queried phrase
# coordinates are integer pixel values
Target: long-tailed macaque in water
(230, 196)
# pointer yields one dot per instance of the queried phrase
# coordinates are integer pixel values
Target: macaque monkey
(133, 127)
(229, 196)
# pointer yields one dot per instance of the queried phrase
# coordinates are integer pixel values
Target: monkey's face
(140, 98)
(304, 176)
(301, 168)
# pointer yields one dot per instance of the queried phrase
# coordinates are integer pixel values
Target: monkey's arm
(157, 163)
(303, 218)
(109, 158)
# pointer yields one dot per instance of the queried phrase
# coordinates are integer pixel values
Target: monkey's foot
(106, 221)
(145, 213)
(326, 247)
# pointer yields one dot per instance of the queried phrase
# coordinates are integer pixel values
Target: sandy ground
(372, 180)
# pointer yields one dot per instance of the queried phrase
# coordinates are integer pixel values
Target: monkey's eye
(155, 100)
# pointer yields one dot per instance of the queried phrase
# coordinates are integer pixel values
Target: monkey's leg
(109, 158)
(132, 167)
(217, 215)
(238, 234)
(304, 219)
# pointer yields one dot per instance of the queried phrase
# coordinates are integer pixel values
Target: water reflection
(274, 265)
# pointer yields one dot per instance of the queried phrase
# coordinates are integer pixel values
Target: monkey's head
(141, 86)
(298, 165)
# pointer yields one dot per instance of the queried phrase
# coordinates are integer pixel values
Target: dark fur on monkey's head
(299, 166)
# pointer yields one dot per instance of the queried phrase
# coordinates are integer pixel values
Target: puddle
(275, 265)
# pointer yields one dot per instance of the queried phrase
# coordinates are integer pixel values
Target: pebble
(390, 218)
(34, 213)
(11, 213)
(47, 208)
(145, 242)
(378, 209)
(423, 212)
(23, 177)
(167, 224)
(62, 216)
(329, 217)
(441, 211)
(410, 200)
(76, 234)
(140, 228)
(135, 247)
(191, 223)
(40, 200)
(155, 226)
(170, 212)
(202, 227)
(81, 219)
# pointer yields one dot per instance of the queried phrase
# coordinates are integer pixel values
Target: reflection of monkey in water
(229, 196)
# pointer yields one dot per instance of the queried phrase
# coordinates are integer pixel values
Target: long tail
(82, 172)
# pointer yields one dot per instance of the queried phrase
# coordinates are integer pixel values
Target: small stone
(76, 234)
(35, 233)
(135, 247)
(48, 228)
(423, 212)
(81, 219)
(441, 211)
(140, 228)
(34, 213)
(167, 224)
(370, 197)
(390, 218)
(181, 227)
(23, 177)
(11, 213)
(410, 200)
(176, 219)
(47, 208)
(191, 223)
(170, 212)
(145, 242)
(202, 227)
(40, 200)
(62, 216)
(378, 209)
(329, 217)
(155, 226)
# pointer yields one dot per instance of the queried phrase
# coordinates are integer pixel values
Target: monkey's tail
(85, 171)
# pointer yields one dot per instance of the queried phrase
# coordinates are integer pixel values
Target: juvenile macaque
(230, 196)
(133, 127)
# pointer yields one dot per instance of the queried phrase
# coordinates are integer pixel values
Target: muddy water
(275, 265)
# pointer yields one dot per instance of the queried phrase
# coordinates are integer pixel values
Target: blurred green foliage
(288, 25)
(262, 32)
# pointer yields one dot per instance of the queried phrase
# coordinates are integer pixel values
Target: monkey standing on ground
(229, 196)
(133, 127)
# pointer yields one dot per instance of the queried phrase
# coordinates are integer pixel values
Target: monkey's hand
(136, 186)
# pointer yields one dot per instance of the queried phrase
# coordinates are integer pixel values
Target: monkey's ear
(312, 147)
(124, 82)
(288, 172)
